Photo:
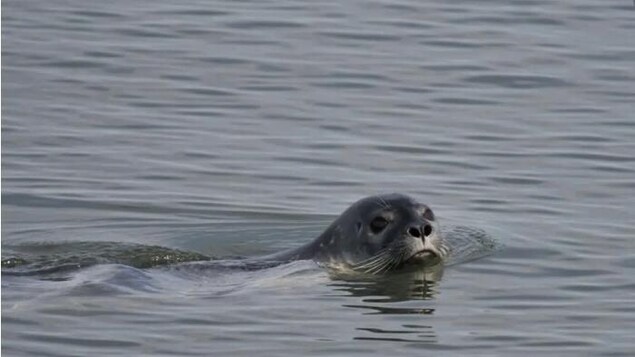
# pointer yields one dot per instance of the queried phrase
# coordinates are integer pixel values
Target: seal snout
(420, 231)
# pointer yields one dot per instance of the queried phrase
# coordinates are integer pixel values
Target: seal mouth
(424, 256)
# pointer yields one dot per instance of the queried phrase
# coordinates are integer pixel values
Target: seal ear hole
(427, 230)
(378, 224)
(358, 226)
(427, 214)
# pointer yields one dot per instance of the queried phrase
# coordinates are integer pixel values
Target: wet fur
(347, 243)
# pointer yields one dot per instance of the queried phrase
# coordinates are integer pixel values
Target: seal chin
(424, 257)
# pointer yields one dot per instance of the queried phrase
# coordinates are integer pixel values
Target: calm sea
(236, 128)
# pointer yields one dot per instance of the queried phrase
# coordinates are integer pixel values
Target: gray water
(238, 128)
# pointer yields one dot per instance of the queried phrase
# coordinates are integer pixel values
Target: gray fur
(350, 240)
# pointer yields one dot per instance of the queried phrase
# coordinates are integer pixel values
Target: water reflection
(410, 294)
(422, 335)
(414, 284)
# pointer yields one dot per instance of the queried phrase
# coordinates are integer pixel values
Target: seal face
(378, 234)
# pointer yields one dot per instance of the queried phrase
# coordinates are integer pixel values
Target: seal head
(382, 233)
(375, 235)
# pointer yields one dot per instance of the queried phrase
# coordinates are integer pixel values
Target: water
(241, 128)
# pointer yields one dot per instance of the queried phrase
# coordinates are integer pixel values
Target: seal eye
(378, 224)
(428, 214)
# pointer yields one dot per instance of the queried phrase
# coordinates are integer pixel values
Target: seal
(375, 235)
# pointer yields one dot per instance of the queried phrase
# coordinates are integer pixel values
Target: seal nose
(414, 232)
(422, 232)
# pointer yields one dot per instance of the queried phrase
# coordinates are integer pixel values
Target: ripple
(359, 36)
(594, 157)
(517, 81)
(257, 24)
(518, 18)
(464, 101)
(410, 149)
(517, 180)
(76, 341)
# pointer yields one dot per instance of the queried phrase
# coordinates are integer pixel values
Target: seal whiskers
(377, 264)
(385, 259)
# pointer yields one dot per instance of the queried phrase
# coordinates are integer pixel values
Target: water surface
(231, 128)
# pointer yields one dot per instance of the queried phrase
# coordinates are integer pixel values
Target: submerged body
(376, 234)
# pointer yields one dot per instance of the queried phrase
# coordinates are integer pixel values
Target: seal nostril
(427, 230)
(414, 232)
